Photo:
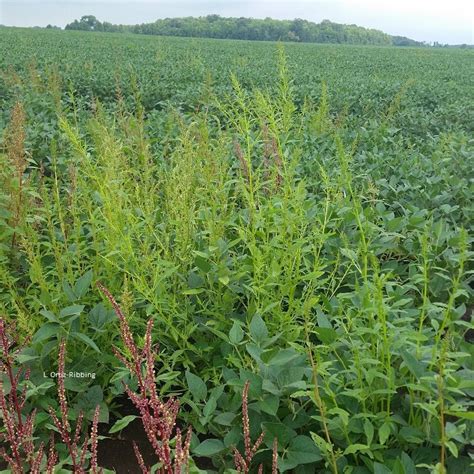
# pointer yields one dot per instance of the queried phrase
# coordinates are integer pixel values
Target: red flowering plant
(243, 461)
(19, 449)
(158, 417)
(78, 450)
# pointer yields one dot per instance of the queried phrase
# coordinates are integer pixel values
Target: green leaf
(254, 351)
(45, 332)
(83, 284)
(452, 448)
(381, 469)
(225, 419)
(39, 389)
(411, 435)
(355, 448)
(99, 316)
(104, 414)
(69, 292)
(283, 357)
(327, 335)
(414, 365)
(89, 400)
(342, 413)
(71, 310)
(408, 464)
(209, 447)
(384, 432)
(210, 407)
(369, 431)
(49, 316)
(224, 280)
(201, 262)
(258, 328)
(321, 443)
(397, 467)
(323, 321)
(194, 291)
(196, 386)
(236, 334)
(302, 450)
(87, 340)
(467, 415)
(281, 431)
(22, 358)
(269, 404)
(122, 423)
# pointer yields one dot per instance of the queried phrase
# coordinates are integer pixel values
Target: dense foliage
(298, 217)
(215, 26)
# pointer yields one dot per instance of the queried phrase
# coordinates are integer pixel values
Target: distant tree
(404, 41)
(215, 26)
(86, 23)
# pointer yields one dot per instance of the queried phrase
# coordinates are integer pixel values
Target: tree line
(215, 26)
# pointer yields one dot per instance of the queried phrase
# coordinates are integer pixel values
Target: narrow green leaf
(369, 431)
(384, 432)
(119, 425)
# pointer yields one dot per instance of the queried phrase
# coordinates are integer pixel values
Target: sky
(445, 21)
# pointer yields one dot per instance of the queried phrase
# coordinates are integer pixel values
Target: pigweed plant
(158, 417)
(22, 454)
(243, 462)
(79, 450)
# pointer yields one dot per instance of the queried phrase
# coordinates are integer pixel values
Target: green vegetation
(296, 216)
(215, 26)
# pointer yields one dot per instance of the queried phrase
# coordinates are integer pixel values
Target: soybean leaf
(302, 450)
(83, 284)
(327, 335)
(258, 328)
(236, 334)
(45, 332)
(417, 368)
(209, 447)
(196, 386)
(71, 310)
(87, 340)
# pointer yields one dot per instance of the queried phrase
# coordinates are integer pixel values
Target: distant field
(179, 70)
(295, 215)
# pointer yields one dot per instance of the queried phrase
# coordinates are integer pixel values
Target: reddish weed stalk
(73, 441)
(244, 167)
(22, 455)
(15, 148)
(271, 158)
(158, 417)
(243, 462)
